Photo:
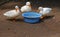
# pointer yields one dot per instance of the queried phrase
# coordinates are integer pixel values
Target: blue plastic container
(31, 17)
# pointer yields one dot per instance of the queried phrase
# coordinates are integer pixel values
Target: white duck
(26, 8)
(44, 11)
(12, 14)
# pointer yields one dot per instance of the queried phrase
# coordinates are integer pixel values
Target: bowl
(31, 17)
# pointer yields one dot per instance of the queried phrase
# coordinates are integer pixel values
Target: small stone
(54, 17)
(8, 28)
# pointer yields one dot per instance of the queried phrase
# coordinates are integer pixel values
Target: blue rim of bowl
(39, 15)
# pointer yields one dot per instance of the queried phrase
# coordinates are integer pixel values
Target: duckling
(44, 11)
(26, 7)
(12, 14)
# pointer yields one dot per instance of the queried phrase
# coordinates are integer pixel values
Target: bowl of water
(31, 17)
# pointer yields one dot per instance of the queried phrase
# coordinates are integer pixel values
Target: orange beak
(38, 10)
(29, 5)
(17, 9)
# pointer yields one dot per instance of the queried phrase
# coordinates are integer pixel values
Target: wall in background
(3, 1)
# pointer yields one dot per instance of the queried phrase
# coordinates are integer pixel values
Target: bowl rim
(39, 15)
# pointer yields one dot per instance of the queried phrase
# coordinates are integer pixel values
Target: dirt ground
(49, 27)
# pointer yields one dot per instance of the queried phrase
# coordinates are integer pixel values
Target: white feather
(12, 14)
(26, 7)
(45, 11)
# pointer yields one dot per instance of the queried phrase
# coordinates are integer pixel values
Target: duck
(44, 11)
(26, 8)
(12, 14)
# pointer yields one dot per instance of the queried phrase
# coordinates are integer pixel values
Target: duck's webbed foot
(14, 20)
(43, 16)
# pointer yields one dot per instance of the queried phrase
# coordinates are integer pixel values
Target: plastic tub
(31, 17)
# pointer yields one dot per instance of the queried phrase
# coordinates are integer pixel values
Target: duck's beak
(29, 5)
(38, 10)
(17, 9)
